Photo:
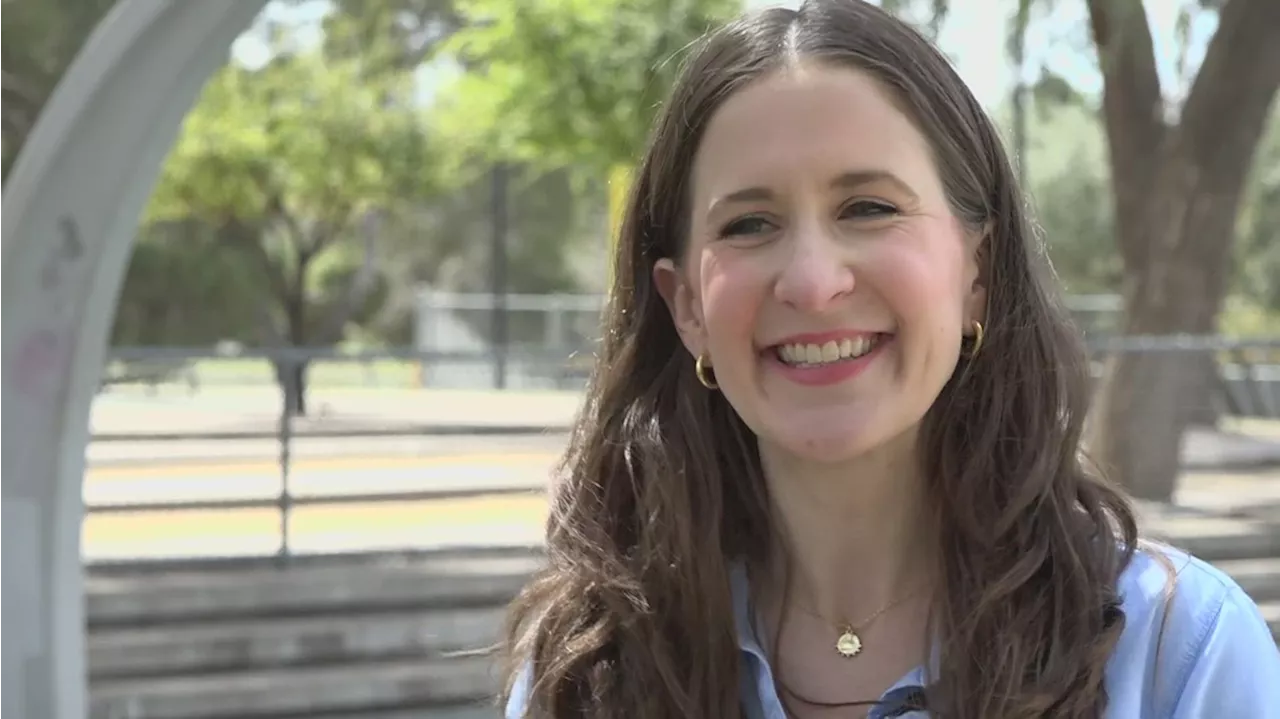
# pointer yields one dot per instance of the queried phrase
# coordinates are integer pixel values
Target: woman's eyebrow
(848, 180)
(860, 178)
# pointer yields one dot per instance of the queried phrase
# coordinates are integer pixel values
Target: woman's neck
(853, 537)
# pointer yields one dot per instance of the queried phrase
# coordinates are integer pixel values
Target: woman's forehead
(806, 122)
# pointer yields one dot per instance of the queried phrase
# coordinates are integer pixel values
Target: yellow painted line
(366, 518)
(179, 468)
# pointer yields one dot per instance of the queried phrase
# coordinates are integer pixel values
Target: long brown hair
(661, 485)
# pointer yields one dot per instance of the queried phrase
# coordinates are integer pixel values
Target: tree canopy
(290, 161)
(40, 40)
(293, 166)
(567, 82)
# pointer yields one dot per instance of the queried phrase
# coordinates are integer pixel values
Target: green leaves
(566, 82)
(183, 288)
(388, 35)
(315, 140)
(40, 41)
(1258, 252)
(289, 166)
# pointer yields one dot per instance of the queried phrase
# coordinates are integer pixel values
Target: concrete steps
(422, 684)
(1260, 578)
(1271, 613)
(397, 637)
(1212, 537)
(311, 586)
(368, 638)
(208, 647)
(1244, 543)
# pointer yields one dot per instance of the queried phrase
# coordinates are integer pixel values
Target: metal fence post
(500, 320)
(425, 337)
(288, 402)
(553, 337)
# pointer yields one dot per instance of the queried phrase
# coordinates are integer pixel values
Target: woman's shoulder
(1193, 640)
(1161, 579)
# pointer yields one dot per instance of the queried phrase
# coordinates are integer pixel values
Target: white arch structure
(71, 209)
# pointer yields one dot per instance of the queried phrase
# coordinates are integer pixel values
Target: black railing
(1248, 386)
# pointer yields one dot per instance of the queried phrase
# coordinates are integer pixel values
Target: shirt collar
(753, 651)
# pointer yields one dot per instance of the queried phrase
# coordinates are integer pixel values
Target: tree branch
(331, 227)
(359, 286)
(243, 237)
(1226, 111)
(1133, 109)
(17, 124)
(277, 212)
(23, 100)
(21, 90)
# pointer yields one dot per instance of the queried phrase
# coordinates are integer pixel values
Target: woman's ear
(977, 276)
(683, 304)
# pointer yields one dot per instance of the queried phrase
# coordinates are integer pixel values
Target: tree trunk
(1205, 406)
(1177, 194)
(1149, 398)
(292, 374)
(1017, 49)
(292, 377)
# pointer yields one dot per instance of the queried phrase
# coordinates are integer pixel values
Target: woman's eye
(746, 226)
(868, 209)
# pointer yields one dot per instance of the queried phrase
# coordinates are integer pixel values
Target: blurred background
(363, 300)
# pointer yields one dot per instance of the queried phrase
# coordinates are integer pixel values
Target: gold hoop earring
(700, 368)
(978, 335)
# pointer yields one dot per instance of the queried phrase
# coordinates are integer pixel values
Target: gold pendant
(849, 644)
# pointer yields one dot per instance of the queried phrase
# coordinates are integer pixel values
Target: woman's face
(826, 279)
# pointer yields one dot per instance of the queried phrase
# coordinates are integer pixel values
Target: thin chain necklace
(848, 642)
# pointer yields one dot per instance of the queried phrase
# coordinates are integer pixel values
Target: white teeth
(830, 352)
(812, 354)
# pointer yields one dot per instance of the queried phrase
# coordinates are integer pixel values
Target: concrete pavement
(258, 408)
(384, 636)
(1220, 504)
(187, 470)
(392, 636)
(422, 415)
(426, 422)
(446, 513)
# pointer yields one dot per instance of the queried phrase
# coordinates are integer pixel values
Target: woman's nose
(816, 272)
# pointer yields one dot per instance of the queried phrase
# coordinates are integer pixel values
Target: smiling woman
(829, 463)
(836, 229)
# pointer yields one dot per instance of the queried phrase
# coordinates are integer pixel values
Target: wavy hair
(661, 485)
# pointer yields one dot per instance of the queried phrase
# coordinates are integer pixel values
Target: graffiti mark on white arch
(71, 207)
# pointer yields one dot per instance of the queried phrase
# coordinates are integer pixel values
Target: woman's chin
(825, 443)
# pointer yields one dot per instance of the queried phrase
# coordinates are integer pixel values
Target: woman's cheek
(916, 276)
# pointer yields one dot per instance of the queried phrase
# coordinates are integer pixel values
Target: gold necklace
(849, 642)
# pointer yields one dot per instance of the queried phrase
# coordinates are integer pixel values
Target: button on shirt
(1218, 658)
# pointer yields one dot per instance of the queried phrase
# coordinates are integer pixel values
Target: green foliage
(547, 226)
(40, 40)
(1257, 257)
(293, 164)
(390, 35)
(183, 289)
(301, 137)
(1071, 190)
(567, 82)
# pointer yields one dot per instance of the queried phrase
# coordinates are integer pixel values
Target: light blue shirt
(1218, 658)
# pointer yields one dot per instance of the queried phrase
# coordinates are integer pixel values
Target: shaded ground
(423, 412)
